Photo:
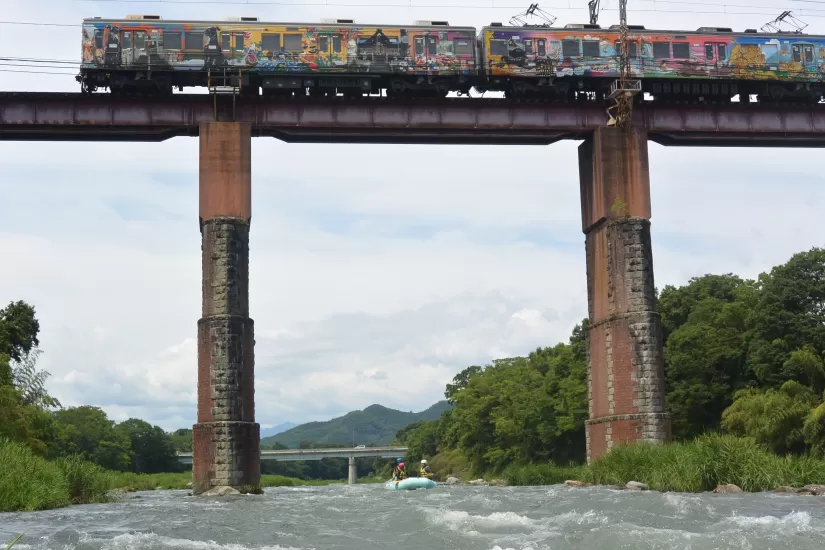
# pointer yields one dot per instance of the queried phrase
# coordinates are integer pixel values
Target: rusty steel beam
(102, 117)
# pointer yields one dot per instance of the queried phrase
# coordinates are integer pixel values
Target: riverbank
(30, 483)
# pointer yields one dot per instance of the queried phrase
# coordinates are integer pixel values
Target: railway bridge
(625, 375)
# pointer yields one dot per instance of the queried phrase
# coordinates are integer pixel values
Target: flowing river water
(367, 517)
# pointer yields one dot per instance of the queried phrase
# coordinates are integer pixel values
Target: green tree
(87, 431)
(31, 383)
(19, 328)
(182, 439)
(773, 417)
(153, 450)
(460, 382)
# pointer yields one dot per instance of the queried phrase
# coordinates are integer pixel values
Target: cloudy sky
(366, 287)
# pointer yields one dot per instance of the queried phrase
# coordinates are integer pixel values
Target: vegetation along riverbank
(744, 382)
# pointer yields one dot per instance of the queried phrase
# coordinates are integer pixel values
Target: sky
(377, 272)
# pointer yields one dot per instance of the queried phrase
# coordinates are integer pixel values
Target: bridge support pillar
(625, 380)
(352, 478)
(226, 437)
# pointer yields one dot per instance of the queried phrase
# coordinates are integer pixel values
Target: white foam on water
(130, 541)
(460, 520)
(688, 504)
(795, 522)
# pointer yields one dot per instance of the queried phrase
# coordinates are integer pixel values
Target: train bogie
(139, 54)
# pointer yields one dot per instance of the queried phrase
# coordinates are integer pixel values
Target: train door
(139, 47)
(716, 55)
(329, 50)
(426, 47)
(804, 54)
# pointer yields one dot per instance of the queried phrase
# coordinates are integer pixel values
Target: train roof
(347, 23)
(640, 29)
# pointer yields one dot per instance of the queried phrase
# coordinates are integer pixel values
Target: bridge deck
(102, 117)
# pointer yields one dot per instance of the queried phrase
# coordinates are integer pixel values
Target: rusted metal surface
(66, 117)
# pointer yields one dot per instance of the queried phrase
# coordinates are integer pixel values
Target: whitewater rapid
(369, 517)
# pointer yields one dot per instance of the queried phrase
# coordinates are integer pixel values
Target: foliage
(87, 431)
(152, 449)
(30, 382)
(460, 382)
(86, 482)
(13, 542)
(182, 440)
(374, 425)
(18, 330)
(29, 482)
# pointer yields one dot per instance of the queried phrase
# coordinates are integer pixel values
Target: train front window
(171, 41)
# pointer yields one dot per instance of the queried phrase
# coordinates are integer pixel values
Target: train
(145, 54)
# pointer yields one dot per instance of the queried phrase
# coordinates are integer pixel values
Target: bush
(29, 482)
(86, 482)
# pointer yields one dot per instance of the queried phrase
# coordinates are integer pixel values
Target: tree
(30, 382)
(152, 449)
(182, 439)
(87, 431)
(460, 382)
(18, 330)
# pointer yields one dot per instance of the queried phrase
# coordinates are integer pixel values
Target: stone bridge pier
(226, 446)
(625, 383)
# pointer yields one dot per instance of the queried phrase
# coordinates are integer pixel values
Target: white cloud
(377, 272)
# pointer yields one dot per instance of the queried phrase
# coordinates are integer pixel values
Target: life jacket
(425, 471)
(401, 474)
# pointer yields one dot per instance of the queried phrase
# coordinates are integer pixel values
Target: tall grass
(695, 466)
(12, 543)
(29, 482)
(86, 482)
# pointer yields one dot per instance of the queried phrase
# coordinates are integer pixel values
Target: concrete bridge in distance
(294, 455)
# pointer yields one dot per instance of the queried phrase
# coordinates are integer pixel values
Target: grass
(12, 543)
(695, 466)
(29, 482)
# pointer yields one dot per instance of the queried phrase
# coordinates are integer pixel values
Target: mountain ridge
(375, 424)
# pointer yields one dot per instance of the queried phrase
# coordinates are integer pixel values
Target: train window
(419, 46)
(463, 46)
(432, 46)
(709, 51)
(498, 47)
(809, 53)
(194, 40)
(591, 48)
(721, 52)
(271, 42)
(239, 42)
(140, 39)
(98, 39)
(292, 43)
(171, 40)
(661, 50)
(633, 48)
(528, 46)
(127, 40)
(323, 44)
(681, 50)
(542, 48)
(226, 42)
(570, 48)
(336, 44)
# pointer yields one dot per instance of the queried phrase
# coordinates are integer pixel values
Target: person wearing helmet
(425, 470)
(399, 473)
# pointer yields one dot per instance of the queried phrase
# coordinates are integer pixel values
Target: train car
(146, 53)
(711, 63)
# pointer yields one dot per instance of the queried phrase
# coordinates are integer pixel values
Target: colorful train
(145, 54)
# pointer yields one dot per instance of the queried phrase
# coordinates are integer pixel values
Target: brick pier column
(625, 382)
(226, 437)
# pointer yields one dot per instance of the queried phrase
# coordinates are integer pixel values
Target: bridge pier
(625, 380)
(352, 478)
(226, 437)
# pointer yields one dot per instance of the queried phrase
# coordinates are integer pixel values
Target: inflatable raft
(410, 484)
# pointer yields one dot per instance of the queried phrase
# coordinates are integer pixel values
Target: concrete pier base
(226, 450)
(352, 477)
(626, 362)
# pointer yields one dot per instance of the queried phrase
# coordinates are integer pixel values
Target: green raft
(411, 484)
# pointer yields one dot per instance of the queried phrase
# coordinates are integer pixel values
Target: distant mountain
(375, 424)
(274, 430)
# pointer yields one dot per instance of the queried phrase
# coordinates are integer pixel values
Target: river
(367, 517)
